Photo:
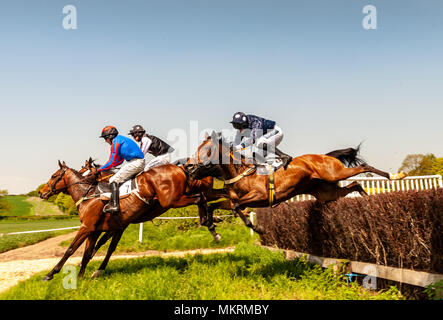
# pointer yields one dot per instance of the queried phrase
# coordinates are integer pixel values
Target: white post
(251, 217)
(440, 182)
(140, 233)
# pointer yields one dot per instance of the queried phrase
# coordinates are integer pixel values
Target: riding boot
(286, 159)
(114, 203)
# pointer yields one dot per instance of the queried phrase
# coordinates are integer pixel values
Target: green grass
(43, 208)
(250, 272)
(9, 242)
(173, 235)
(18, 206)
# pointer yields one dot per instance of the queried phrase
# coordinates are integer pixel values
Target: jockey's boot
(284, 157)
(113, 205)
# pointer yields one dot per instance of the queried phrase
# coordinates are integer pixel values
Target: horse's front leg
(81, 235)
(241, 204)
(87, 255)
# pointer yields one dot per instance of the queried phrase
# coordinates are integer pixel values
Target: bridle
(54, 190)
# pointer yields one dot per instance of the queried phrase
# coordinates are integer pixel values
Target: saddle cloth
(125, 189)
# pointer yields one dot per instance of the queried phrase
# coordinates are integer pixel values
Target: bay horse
(167, 184)
(204, 186)
(313, 174)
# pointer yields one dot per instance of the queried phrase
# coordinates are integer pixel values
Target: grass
(173, 235)
(18, 206)
(9, 242)
(41, 207)
(250, 272)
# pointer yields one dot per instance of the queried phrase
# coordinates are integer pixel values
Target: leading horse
(313, 174)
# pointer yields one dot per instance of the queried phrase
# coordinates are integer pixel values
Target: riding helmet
(137, 130)
(109, 132)
(239, 120)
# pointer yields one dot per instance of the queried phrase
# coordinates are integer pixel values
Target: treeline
(63, 201)
(4, 205)
(422, 165)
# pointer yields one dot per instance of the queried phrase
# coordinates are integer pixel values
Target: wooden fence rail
(412, 277)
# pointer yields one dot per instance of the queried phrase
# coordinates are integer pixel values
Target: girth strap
(271, 186)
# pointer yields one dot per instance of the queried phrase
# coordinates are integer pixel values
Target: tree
(4, 205)
(34, 193)
(418, 164)
(437, 166)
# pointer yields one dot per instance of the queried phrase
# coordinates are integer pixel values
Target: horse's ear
(64, 164)
(206, 136)
(60, 164)
(90, 160)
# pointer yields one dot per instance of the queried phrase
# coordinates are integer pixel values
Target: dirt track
(20, 264)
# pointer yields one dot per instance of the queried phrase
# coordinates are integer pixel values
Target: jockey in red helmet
(122, 149)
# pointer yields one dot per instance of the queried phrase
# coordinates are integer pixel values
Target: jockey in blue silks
(122, 149)
(260, 132)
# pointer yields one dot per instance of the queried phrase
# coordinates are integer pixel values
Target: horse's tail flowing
(349, 157)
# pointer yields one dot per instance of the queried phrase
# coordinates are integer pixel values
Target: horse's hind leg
(81, 235)
(102, 241)
(115, 240)
(327, 191)
(87, 255)
(344, 173)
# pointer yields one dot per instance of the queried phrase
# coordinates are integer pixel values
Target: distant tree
(437, 166)
(418, 164)
(4, 205)
(34, 193)
(65, 203)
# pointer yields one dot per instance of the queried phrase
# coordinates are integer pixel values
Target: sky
(172, 65)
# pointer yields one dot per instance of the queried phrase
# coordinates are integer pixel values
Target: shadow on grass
(238, 264)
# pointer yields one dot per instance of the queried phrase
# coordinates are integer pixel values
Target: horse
(193, 186)
(167, 184)
(313, 174)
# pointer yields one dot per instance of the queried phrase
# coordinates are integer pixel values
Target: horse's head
(206, 161)
(56, 184)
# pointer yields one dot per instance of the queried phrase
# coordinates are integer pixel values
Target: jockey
(152, 145)
(262, 133)
(122, 148)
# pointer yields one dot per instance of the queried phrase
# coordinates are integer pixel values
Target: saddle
(104, 189)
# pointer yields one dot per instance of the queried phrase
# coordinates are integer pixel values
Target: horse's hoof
(259, 230)
(96, 274)
(47, 278)
(217, 238)
(397, 176)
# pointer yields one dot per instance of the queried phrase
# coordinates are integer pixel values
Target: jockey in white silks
(260, 133)
(152, 145)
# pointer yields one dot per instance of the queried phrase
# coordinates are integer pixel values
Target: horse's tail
(349, 157)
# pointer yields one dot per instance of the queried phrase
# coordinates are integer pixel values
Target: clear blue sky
(309, 65)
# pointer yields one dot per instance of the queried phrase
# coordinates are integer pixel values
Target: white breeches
(158, 161)
(272, 139)
(129, 169)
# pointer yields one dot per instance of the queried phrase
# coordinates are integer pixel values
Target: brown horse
(204, 186)
(317, 175)
(159, 190)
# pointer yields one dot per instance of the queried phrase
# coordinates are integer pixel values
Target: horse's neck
(232, 171)
(76, 191)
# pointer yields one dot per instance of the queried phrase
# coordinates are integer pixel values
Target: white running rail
(376, 185)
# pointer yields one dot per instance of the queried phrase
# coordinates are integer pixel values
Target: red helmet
(109, 132)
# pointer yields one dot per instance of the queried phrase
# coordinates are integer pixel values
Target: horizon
(172, 66)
